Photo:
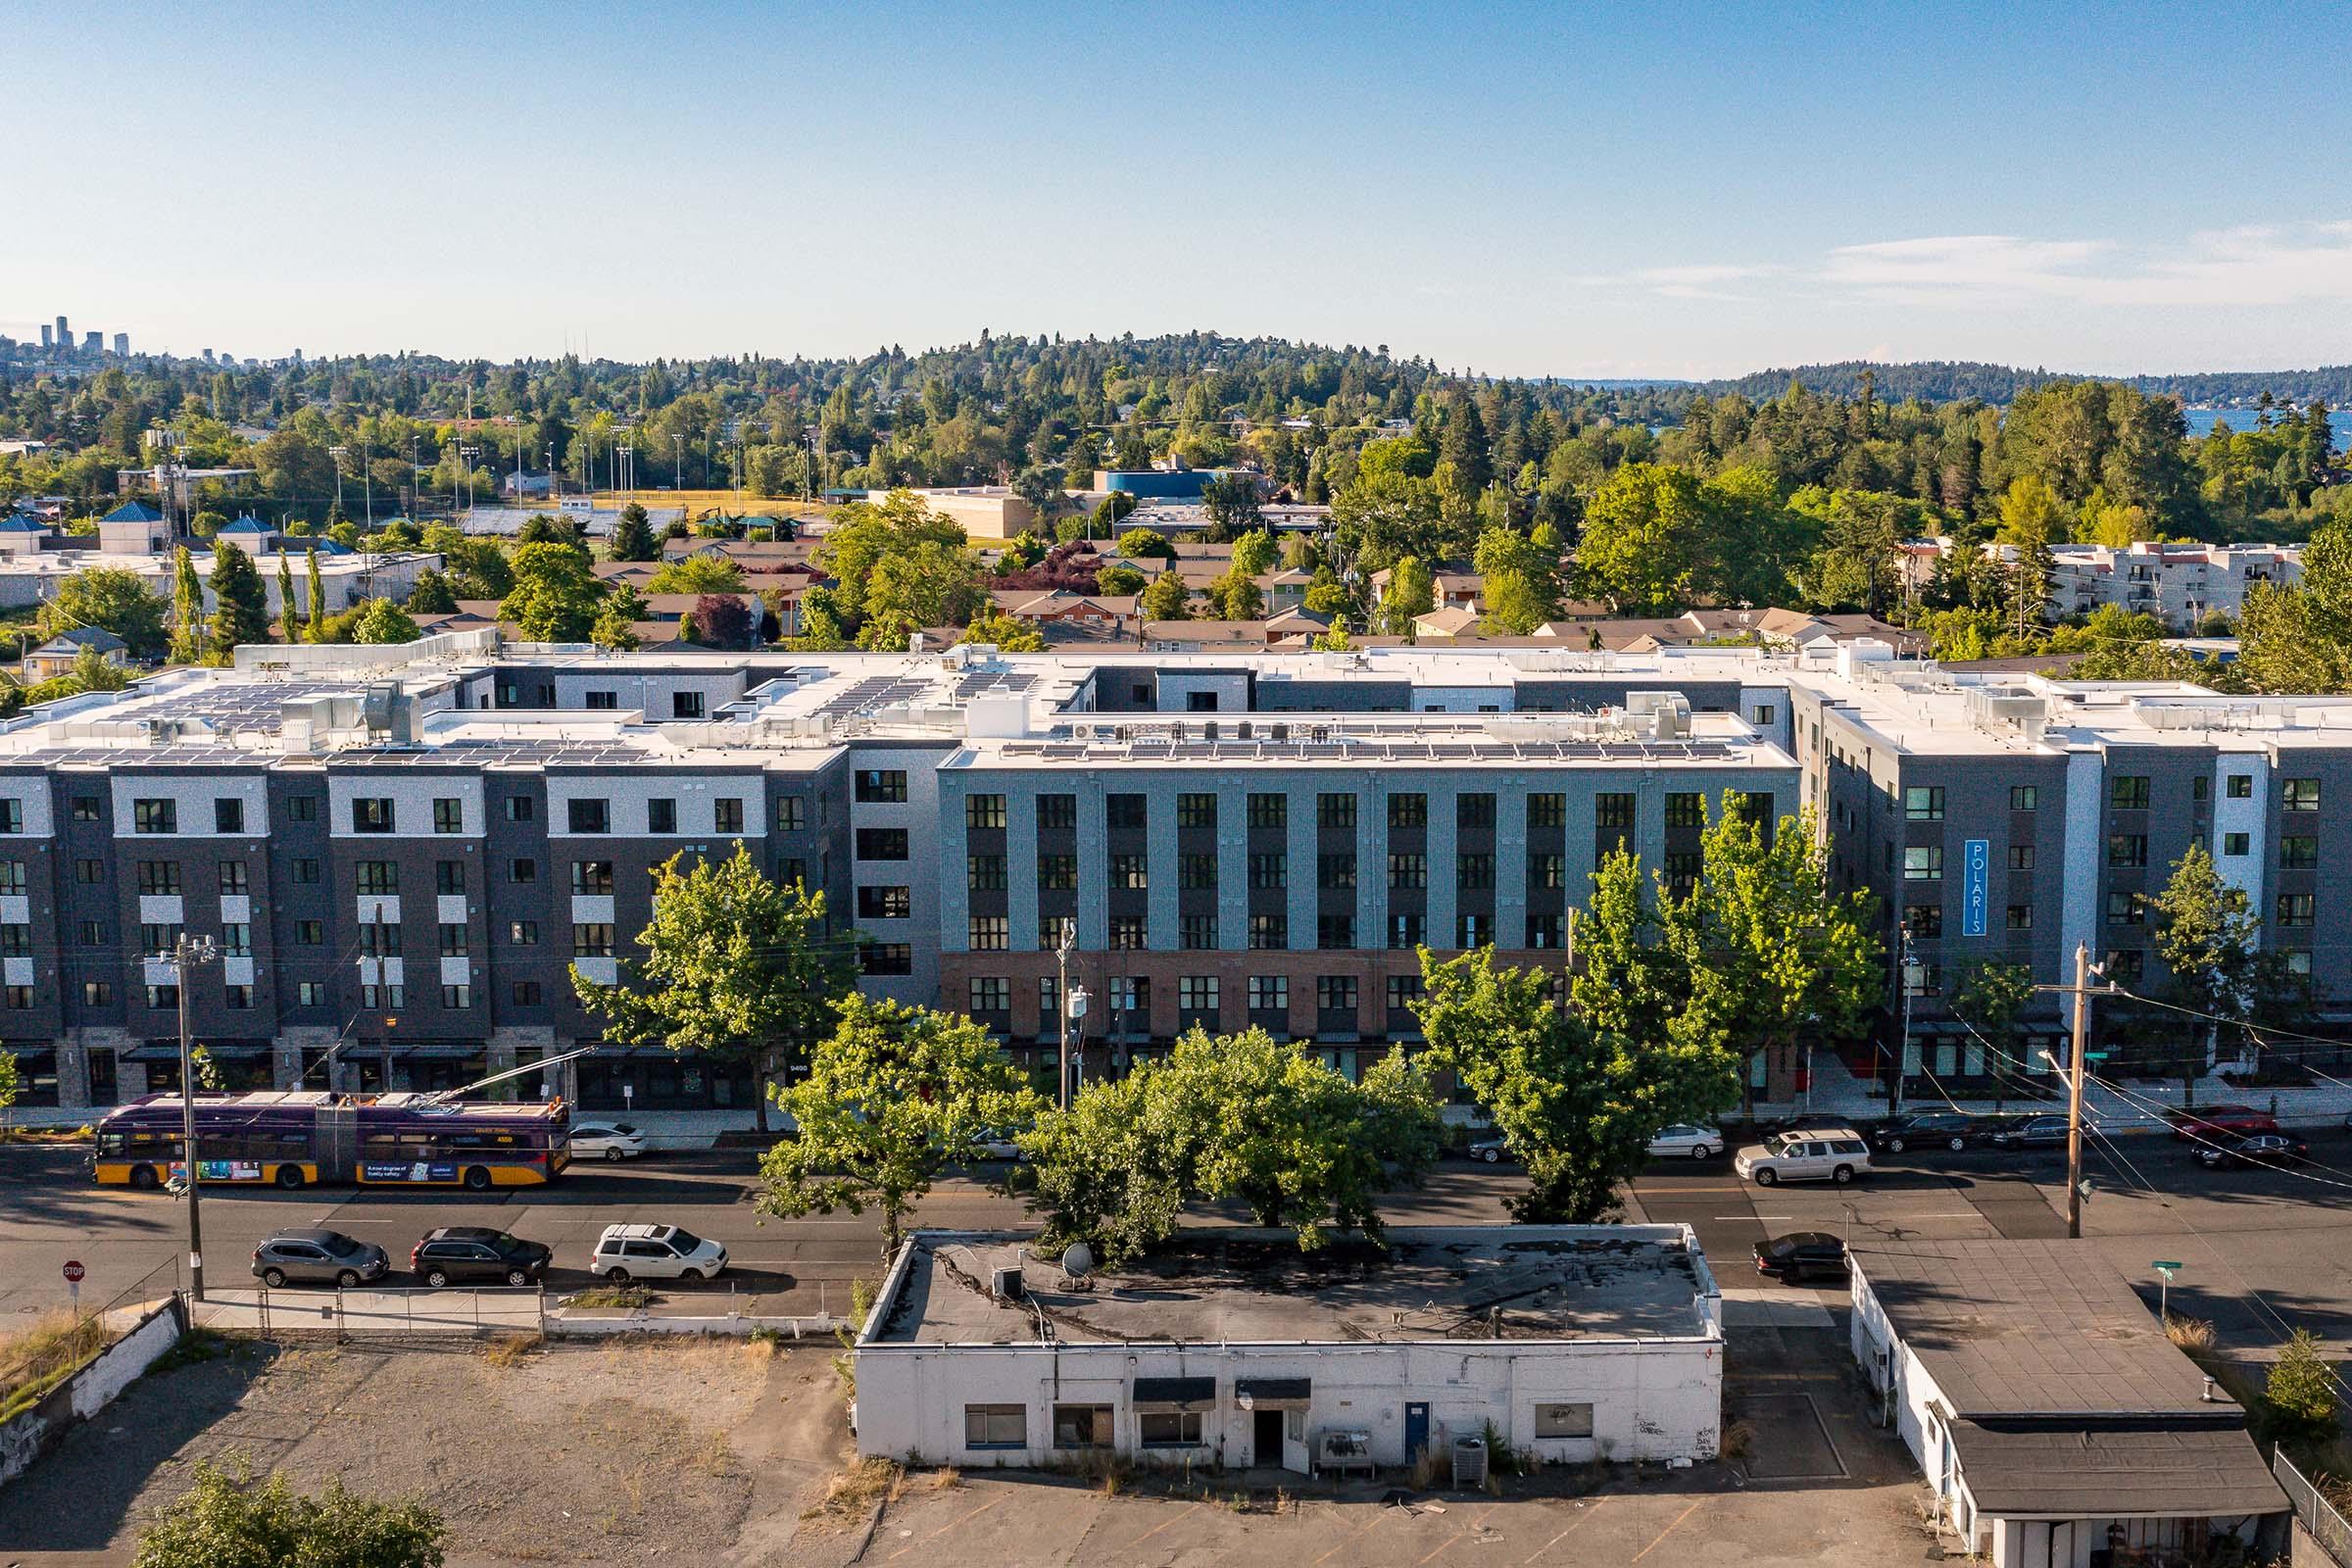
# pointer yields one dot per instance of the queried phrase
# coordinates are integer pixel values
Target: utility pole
(1062, 1001)
(185, 955)
(1912, 977)
(2073, 1094)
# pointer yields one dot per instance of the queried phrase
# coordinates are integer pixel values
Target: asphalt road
(2264, 1249)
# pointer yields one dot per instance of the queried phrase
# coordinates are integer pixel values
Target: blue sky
(1528, 191)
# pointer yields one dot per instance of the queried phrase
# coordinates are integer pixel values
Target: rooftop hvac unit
(1470, 1464)
(1005, 1283)
(1084, 732)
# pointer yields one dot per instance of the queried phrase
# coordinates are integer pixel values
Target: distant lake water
(2202, 420)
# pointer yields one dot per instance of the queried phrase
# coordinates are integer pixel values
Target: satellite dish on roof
(1077, 1260)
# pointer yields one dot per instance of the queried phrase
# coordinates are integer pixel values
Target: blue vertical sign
(1976, 885)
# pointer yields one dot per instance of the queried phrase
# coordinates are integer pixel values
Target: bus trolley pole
(185, 954)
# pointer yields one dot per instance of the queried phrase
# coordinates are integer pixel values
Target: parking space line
(952, 1525)
(1663, 1533)
(1563, 1535)
(1459, 1535)
(1157, 1528)
(1351, 1540)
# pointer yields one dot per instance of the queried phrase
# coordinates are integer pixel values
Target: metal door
(1293, 1441)
(1417, 1431)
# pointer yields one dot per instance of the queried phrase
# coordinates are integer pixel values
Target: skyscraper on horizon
(121, 345)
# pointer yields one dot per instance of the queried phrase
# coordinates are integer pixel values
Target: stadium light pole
(185, 954)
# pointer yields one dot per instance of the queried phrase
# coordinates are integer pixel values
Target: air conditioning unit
(1084, 732)
(1005, 1283)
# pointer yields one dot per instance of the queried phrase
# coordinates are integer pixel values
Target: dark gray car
(317, 1258)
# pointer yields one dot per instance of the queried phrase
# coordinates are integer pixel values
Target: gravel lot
(646, 1451)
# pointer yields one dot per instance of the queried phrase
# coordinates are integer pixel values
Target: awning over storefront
(217, 1050)
(1175, 1394)
(1273, 1393)
(438, 1050)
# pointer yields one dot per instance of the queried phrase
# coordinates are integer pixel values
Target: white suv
(656, 1253)
(1816, 1153)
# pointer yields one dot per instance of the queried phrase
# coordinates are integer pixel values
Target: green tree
(1645, 539)
(1253, 554)
(1578, 1106)
(1237, 597)
(615, 625)
(1166, 597)
(431, 595)
(868, 534)
(317, 600)
(735, 965)
(821, 629)
(2032, 521)
(2207, 936)
(240, 601)
(1522, 588)
(111, 599)
(8, 1079)
(1010, 633)
(893, 1095)
(187, 609)
(1230, 501)
(98, 673)
(1117, 580)
(1627, 982)
(227, 1519)
(1146, 544)
(1989, 996)
(386, 622)
(2299, 1393)
(289, 614)
(1411, 591)
(555, 595)
(633, 536)
(697, 575)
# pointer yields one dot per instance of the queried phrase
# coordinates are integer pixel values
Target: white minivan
(656, 1253)
(1811, 1155)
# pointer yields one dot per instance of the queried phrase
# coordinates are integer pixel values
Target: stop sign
(73, 1271)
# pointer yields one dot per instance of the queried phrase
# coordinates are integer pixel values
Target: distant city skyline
(1525, 191)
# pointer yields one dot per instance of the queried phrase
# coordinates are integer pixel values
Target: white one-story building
(2056, 1423)
(1234, 1348)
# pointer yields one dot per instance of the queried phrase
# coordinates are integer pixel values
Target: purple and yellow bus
(295, 1138)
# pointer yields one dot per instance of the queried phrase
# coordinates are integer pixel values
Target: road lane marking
(1663, 1533)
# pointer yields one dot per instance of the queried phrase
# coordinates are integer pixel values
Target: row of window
(1090, 1426)
(2127, 792)
(307, 994)
(1335, 812)
(1270, 871)
(1197, 933)
(1197, 993)
(380, 814)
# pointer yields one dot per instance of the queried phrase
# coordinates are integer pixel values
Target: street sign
(2096, 1055)
(2162, 1266)
(73, 1271)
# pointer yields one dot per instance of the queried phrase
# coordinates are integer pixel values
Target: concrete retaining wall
(89, 1391)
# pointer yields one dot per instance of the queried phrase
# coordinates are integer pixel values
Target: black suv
(477, 1253)
(2031, 1131)
(1790, 1258)
(1949, 1129)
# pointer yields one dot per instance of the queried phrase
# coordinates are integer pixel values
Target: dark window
(524, 870)
(1335, 812)
(1335, 993)
(1269, 931)
(2236, 844)
(524, 993)
(1684, 809)
(1473, 873)
(449, 814)
(2021, 917)
(1474, 811)
(228, 814)
(378, 878)
(85, 808)
(1548, 870)
(524, 933)
(2129, 792)
(1270, 869)
(1549, 809)
(2241, 787)
(989, 933)
(792, 813)
(89, 873)
(234, 881)
(154, 816)
(2295, 909)
(1408, 870)
(310, 933)
(2299, 795)
(1406, 929)
(1057, 812)
(589, 816)
(1335, 931)
(2024, 797)
(2021, 856)
(1124, 810)
(1409, 810)
(2126, 849)
(1270, 810)
(372, 814)
(2298, 853)
(448, 877)
(1546, 931)
(662, 815)
(882, 843)
(159, 877)
(1924, 919)
(2125, 908)
(1199, 702)
(1058, 873)
(686, 704)
(1131, 871)
(592, 878)
(1127, 932)
(1196, 810)
(591, 940)
(1617, 810)
(881, 786)
(984, 873)
(984, 811)
(726, 814)
(454, 942)
(1196, 872)
(1336, 870)
(1196, 933)
(520, 809)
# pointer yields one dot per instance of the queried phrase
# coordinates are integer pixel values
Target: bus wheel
(289, 1177)
(478, 1180)
(143, 1177)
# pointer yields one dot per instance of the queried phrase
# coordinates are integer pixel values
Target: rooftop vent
(1005, 1283)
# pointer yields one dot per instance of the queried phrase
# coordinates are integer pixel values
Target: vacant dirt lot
(662, 1451)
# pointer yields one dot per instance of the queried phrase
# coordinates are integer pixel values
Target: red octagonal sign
(73, 1271)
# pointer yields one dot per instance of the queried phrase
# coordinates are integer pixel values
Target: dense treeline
(1950, 380)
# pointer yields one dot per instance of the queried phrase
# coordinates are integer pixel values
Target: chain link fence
(2325, 1522)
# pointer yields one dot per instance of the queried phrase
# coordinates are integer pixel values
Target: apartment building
(402, 853)
(2179, 584)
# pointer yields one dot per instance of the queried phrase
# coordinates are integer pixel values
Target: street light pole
(186, 952)
(1061, 999)
(2073, 1094)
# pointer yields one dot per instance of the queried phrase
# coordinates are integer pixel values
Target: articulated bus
(295, 1138)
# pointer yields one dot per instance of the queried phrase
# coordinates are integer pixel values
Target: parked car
(656, 1253)
(477, 1253)
(1686, 1143)
(1811, 1121)
(318, 1257)
(2031, 1131)
(998, 1144)
(1790, 1258)
(613, 1140)
(1487, 1152)
(1837, 1155)
(1955, 1130)
(2212, 1121)
(2274, 1149)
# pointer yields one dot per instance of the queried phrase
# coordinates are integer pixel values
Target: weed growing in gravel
(851, 1494)
(510, 1349)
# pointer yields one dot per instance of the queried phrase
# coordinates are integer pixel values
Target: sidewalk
(2135, 1105)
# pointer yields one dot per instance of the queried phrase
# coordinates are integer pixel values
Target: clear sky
(1563, 189)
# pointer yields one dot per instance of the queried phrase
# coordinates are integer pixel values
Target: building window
(522, 933)
(93, 932)
(2236, 844)
(310, 933)
(1766, 715)
(2125, 908)
(1335, 932)
(1923, 803)
(662, 815)
(2299, 795)
(792, 813)
(16, 941)
(1269, 993)
(236, 938)
(726, 814)
(1922, 863)
(2294, 910)
(1686, 811)
(2024, 797)
(372, 814)
(591, 938)
(886, 958)
(519, 809)
(1336, 871)
(1335, 811)
(1335, 993)
(449, 814)
(1058, 873)
(1196, 993)
(1546, 870)
(989, 994)
(154, 816)
(2241, 787)
(1473, 873)
(984, 873)
(378, 940)
(1408, 870)
(232, 873)
(592, 878)
(1130, 994)
(449, 878)
(1196, 933)
(1196, 810)
(454, 942)
(1168, 1429)
(2298, 853)
(2021, 917)
(1129, 872)
(85, 808)
(159, 878)
(1563, 1420)
(228, 815)
(989, 933)
(995, 1426)
(1408, 811)
(589, 816)
(1617, 810)
(97, 994)
(1924, 920)
(1056, 813)
(162, 997)
(984, 811)
(1125, 812)
(2129, 792)
(881, 843)
(1270, 810)
(2200, 788)
(1551, 810)
(1681, 870)
(89, 873)
(1403, 991)
(524, 870)
(377, 879)
(1473, 930)
(1269, 932)
(1196, 873)
(2126, 849)
(523, 993)
(2127, 965)
(1546, 932)
(2021, 856)
(1406, 928)
(1127, 933)
(457, 997)
(1270, 870)
(685, 704)
(1474, 811)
